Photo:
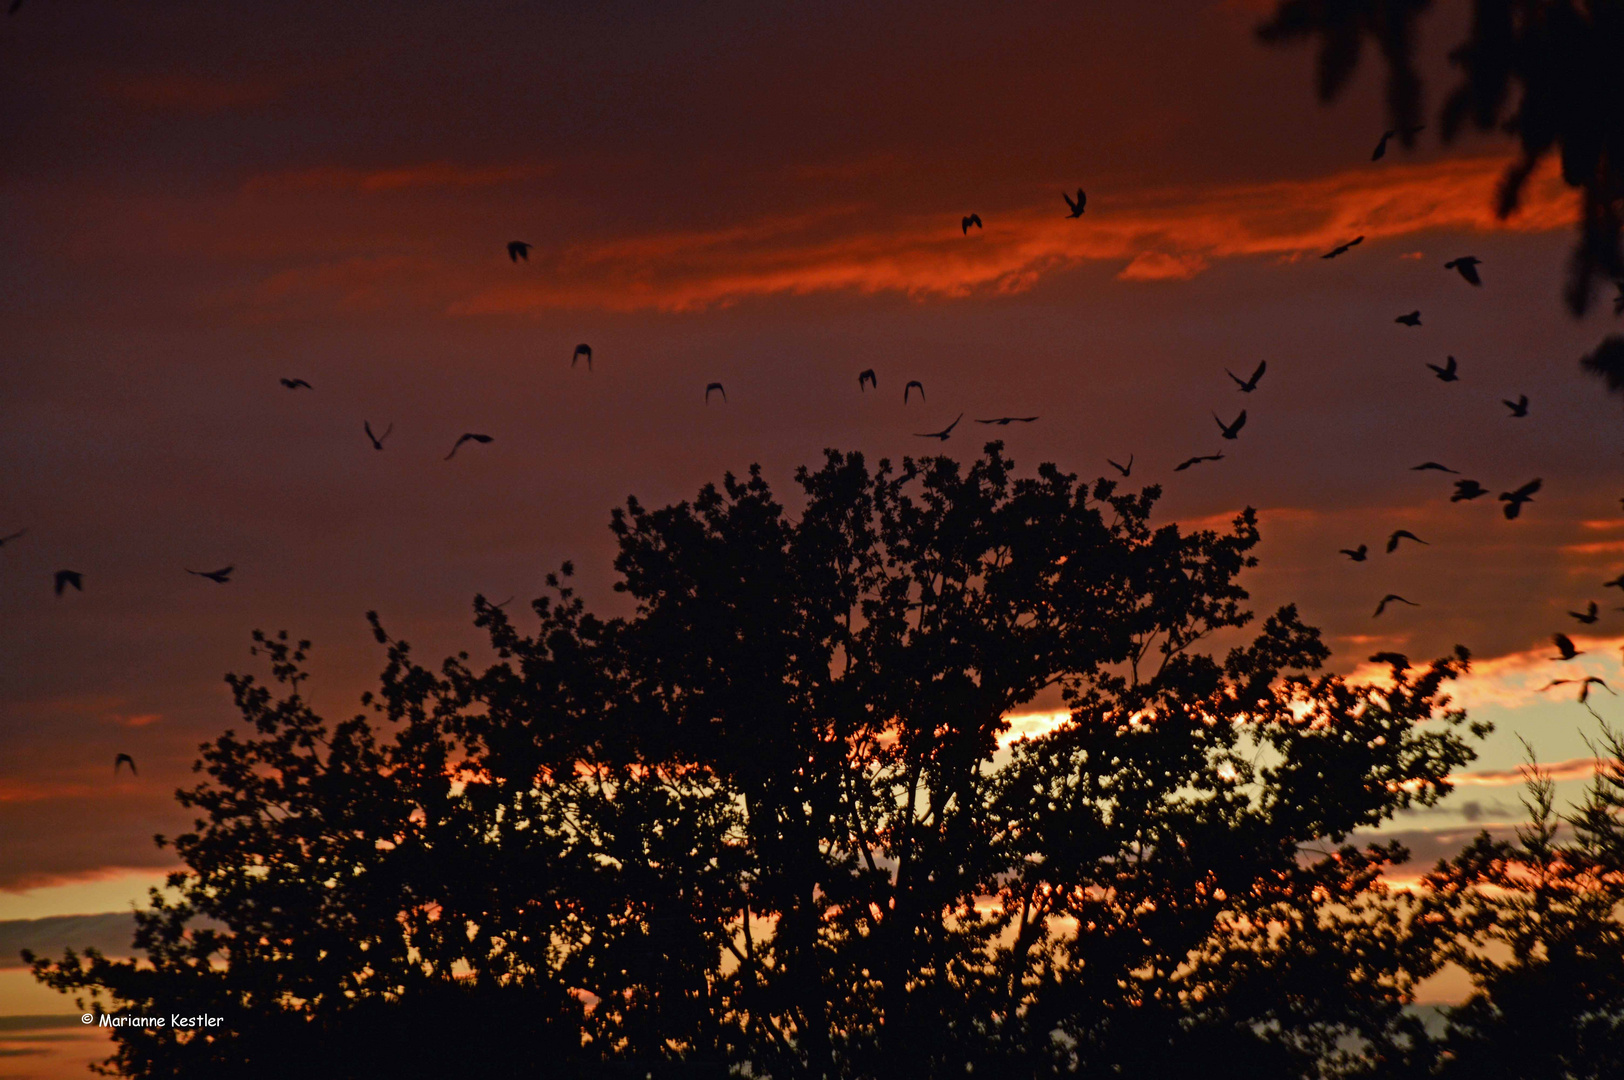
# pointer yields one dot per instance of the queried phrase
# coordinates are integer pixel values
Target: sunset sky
(201, 199)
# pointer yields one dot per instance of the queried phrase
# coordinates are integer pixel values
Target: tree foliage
(772, 818)
(1550, 73)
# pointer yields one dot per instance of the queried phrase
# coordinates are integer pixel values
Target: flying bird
(1402, 534)
(518, 249)
(972, 219)
(4, 540)
(1617, 582)
(1467, 490)
(1514, 499)
(1466, 267)
(1412, 319)
(1564, 645)
(294, 384)
(1584, 686)
(1389, 598)
(913, 384)
(1197, 460)
(581, 350)
(64, 578)
(1246, 386)
(1076, 204)
(942, 434)
(1358, 554)
(867, 376)
(1231, 430)
(219, 577)
(377, 440)
(1381, 146)
(468, 436)
(1589, 615)
(1123, 469)
(718, 387)
(1342, 249)
(1519, 408)
(124, 759)
(1005, 421)
(1449, 372)
(1433, 466)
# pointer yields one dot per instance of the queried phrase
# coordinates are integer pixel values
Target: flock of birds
(1448, 372)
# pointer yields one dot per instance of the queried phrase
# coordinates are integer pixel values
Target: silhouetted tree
(772, 817)
(1538, 923)
(1548, 72)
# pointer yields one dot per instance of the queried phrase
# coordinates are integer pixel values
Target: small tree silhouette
(767, 820)
(1537, 924)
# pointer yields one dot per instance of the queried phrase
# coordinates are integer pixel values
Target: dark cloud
(113, 933)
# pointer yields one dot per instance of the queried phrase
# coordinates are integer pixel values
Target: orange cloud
(14, 790)
(1519, 678)
(1168, 234)
(1572, 769)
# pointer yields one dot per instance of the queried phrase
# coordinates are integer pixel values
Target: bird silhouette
(1519, 407)
(942, 434)
(1246, 386)
(1358, 554)
(1231, 430)
(219, 577)
(15, 4)
(1196, 461)
(1514, 499)
(581, 350)
(1584, 686)
(867, 376)
(294, 384)
(377, 440)
(1564, 646)
(1589, 615)
(1005, 421)
(1076, 204)
(913, 384)
(1342, 249)
(1412, 319)
(1123, 469)
(64, 578)
(1381, 145)
(1433, 466)
(1466, 267)
(1616, 583)
(1391, 598)
(1402, 534)
(718, 387)
(124, 759)
(972, 219)
(1449, 372)
(468, 436)
(19, 534)
(518, 249)
(1467, 490)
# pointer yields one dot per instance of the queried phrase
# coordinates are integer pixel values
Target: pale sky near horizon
(199, 202)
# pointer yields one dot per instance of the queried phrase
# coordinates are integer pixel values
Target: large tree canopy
(772, 816)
